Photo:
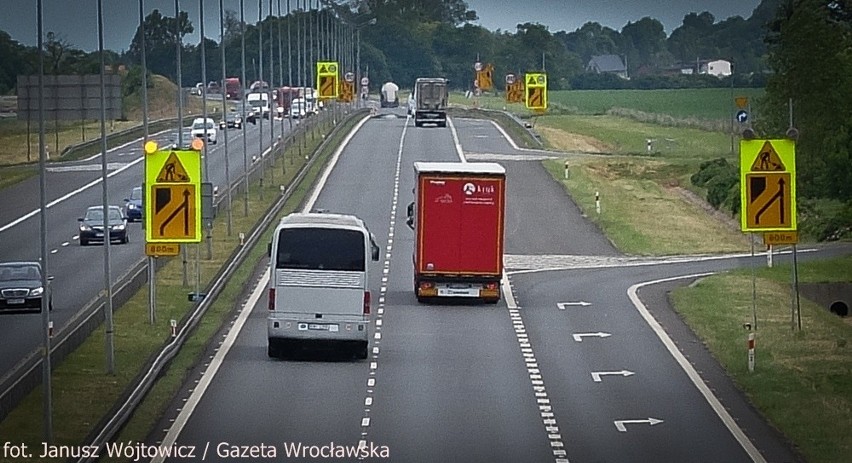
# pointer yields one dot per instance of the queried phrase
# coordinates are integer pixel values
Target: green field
(669, 107)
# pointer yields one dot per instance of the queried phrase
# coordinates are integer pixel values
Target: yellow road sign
(776, 238)
(162, 249)
(172, 198)
(741, 101)
(536, 90)
(768, 185)
(176, 213)
(173, 171)
(327, 85)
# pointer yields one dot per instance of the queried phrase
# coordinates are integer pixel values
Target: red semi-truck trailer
(457, 217)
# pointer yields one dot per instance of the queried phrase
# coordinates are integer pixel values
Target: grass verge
(801, 381)
(83, 393)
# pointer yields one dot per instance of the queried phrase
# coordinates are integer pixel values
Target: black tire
(126, 238)
(362, 351)
(84, 242)
(272, 350)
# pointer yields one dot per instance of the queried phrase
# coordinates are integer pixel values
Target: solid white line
(207, 378)
(70, 194)
(687, 367)
(222, 351)
(324, 178)
(456, 140)
(508, 138)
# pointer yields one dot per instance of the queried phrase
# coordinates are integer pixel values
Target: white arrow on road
(562, 305)
(596, 375)
(622, 424)
(579, 336)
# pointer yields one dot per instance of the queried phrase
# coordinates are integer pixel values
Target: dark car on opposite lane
(21, 287)
(92, 225)
(231, 119)
(133, 205)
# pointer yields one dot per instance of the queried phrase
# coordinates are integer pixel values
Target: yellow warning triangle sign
(323, 70)
(767, 160)
(173, 171)
(532, 81)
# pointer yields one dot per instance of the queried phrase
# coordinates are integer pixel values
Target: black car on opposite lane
(21, 287)
(92, 225)
(133, 205)
(231, 119)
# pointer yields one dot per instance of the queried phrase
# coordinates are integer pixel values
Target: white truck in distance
(204, 130)
(430, 97)
(260, 103)
(389, 95)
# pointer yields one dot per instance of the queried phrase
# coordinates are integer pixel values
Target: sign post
(768, 196)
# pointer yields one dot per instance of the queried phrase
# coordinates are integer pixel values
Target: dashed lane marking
(545, 408)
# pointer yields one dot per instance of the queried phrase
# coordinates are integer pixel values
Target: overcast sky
(76, 20)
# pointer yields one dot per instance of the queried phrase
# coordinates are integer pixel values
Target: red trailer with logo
(457, 217)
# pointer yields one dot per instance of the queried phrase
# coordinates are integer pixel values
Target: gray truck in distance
(430, 96)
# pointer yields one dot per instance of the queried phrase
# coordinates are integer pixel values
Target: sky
(76, 20)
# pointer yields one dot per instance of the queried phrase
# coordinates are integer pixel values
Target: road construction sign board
(536, 90)
(327, 77)
(768, 185)
(172, 197)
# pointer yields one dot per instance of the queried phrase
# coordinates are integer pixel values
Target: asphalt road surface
(569, 366)
(72, 187)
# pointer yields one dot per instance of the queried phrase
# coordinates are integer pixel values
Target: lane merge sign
(327, 79)
(768, 185)
(173, 197)
(536, 90)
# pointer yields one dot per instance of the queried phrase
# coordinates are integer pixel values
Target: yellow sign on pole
(768, 185)
(162, 249)
(536, 90)
(327, 78)
(172, 197)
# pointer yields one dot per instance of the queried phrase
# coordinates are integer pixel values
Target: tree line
(801, 50)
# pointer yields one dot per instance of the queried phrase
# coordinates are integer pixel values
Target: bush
(721, 179)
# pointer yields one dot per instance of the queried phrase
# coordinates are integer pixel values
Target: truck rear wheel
(272, 349)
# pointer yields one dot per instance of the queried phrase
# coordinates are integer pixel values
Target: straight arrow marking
(622, 424)
(596, 375)
(562, 305)
(579, 336)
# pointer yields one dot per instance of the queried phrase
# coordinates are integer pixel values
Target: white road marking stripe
(687, 367)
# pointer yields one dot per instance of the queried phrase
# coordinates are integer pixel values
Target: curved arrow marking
(579, 336)
(596, 375)
(622, 424)
(562, 305)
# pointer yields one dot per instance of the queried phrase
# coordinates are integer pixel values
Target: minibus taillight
(271, 299)
(366, 303)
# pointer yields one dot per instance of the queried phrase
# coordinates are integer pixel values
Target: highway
(571, 365)
(71, 188)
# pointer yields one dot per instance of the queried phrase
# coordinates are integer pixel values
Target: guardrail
(122, 413)
(94, 145)
(26, 375)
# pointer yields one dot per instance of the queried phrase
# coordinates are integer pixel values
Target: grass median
(83, 393)
(802, 379)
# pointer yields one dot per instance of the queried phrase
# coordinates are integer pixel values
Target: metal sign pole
(753, 287)
(152, 299)
(47, 398)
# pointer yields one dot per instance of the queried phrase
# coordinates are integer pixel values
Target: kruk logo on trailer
(471, 188)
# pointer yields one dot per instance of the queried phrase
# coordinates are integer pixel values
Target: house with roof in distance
(713, 67)
(612, 64)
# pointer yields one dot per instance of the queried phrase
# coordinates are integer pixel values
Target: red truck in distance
(233, 89)
(457, 217)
